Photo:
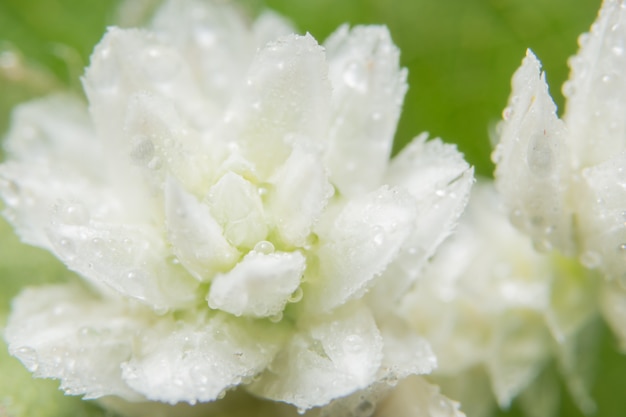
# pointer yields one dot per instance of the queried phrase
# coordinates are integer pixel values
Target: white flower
(228, 197)
(490, 304)
(564, 180)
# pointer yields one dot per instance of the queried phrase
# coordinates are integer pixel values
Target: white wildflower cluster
(246, 241)
(228, 197)
(521, 280)
(563, 179)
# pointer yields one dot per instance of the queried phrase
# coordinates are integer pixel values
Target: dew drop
(28, 356)
(155, 163)
(198, 376)
(160, 64)
(539, 157)
(507, 113)
(68, 250)
(364, 409)
(133, 275)
(440, 408)
(568, 89)
(583, 39)
(263, 190)
(392, 380)
(542, 245)
(87, 332)
(353, 343)
(10, 192)
(161, 310)
(264, 247)
(590, 259)
(75, 214)
(142, 150)
(622, 247)
(276, 317)
(355, 76)
(296, 296)
(205, 37)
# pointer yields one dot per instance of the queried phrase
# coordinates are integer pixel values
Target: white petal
(126, 62)
(53, 156)
(54, 130)
(519, 349)
(440, 180)
(197, 239)
(285, 99)
(597, 89)
(130, 258)
(300, 191)
(260, 285)
(368, 90)
(330, 358)
(357, 246)
(236, 204)
(64, 332)
(416, 397)
(159, 143)
(190, 362)
(405, 353)
(533, 161)
(215, 40)
(602, 217)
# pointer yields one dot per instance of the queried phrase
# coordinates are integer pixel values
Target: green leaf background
(460, 55)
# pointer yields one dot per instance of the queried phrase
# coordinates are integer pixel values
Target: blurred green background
(460, 55)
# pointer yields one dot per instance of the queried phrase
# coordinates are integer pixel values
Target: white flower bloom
(564, 180)
(228, 197)
(489, 302)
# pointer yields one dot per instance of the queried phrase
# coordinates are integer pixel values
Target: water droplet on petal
(28, 356)
(590, 259)
(155, 163)
(364, 409)
(10, 191)
(440, 408)
(205, 37)
(276, 317)
(507, 113)
(264, 247)
(160, 64)
(355, 76)
(296, 296)
(75, 213)
(568, 89)
(142, 150)
(353, 343)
